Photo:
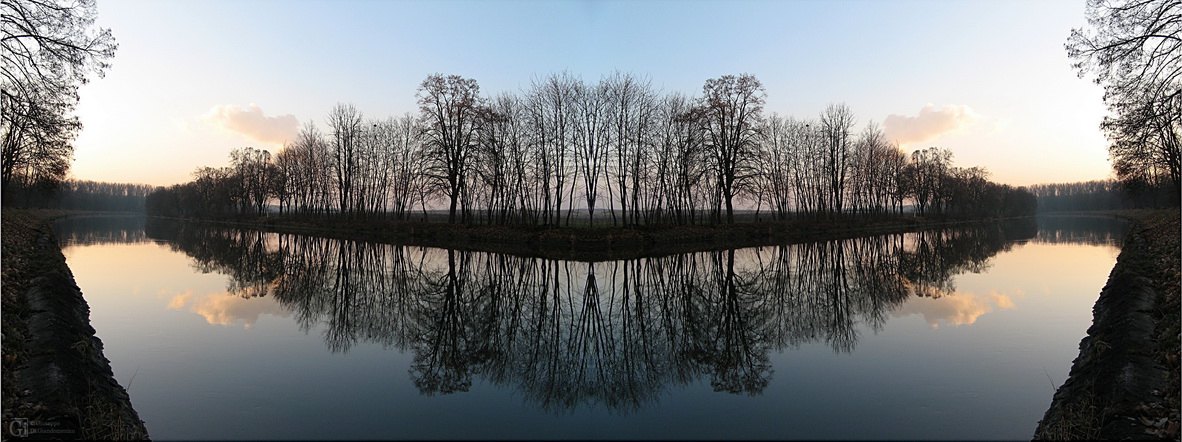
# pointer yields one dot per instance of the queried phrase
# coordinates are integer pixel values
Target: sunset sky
(988, 80)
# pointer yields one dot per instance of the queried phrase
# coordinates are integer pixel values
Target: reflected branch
(596, 334)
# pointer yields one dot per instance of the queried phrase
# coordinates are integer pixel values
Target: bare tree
(836, 123)
(926, 176)
(729, 114)
(252, 171)
(630, 111)
(1132, 44)
(450, 110)
(681, 157)
(1134, 47)
(893, 183)
(591, 139)
(550, 107)
(874, 171)
(345, 123)
(499, 156)
(49, 49)
(807, 165)
(306, 171)
(776, 162)
(406, 169)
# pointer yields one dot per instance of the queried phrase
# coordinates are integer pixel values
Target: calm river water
(222, 333)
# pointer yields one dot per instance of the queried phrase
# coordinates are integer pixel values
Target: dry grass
(103, 419)
(1079, 420)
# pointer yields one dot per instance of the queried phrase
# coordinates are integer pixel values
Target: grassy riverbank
(590, 243)
(56, 381)
(1125, 382)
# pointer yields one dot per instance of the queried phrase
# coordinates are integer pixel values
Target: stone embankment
(1125, 382)
(56, 382)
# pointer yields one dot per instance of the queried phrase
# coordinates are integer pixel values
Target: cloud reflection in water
(227, 308)
(954, 308)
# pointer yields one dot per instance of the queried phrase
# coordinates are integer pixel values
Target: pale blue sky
(1031, 119)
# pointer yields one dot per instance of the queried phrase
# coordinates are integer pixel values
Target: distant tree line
(1097, 195)
(99, 196)
(612, 152)
(82, 195)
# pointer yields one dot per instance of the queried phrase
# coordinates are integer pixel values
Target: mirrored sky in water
(206, 295)
(971, 362)
(1009, 278)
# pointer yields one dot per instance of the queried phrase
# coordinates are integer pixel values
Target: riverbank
(590, 243)
(56, 381)
(1125, 382)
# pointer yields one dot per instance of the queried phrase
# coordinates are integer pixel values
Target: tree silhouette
(50, 48)
(1134, 47)
(646, 158)
(450, 111)
(730, 115)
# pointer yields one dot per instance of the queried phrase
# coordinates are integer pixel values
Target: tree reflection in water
(85, 230)
(568, 334)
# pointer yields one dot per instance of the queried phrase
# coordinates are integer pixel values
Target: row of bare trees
(567, 151)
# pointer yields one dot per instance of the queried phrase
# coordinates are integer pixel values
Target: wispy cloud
(931, 123)
(249, 121)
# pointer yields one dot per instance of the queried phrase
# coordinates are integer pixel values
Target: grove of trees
(614, 152)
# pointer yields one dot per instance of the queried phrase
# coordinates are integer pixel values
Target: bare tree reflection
(90, 230)
(1081, 229)
(570, 334)
(727, 334)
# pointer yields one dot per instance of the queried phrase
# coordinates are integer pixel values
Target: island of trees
(569, 152)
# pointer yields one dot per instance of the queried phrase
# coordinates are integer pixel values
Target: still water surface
(234, 334)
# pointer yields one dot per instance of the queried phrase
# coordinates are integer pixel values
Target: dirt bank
(56, 382)
(1125, 382)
